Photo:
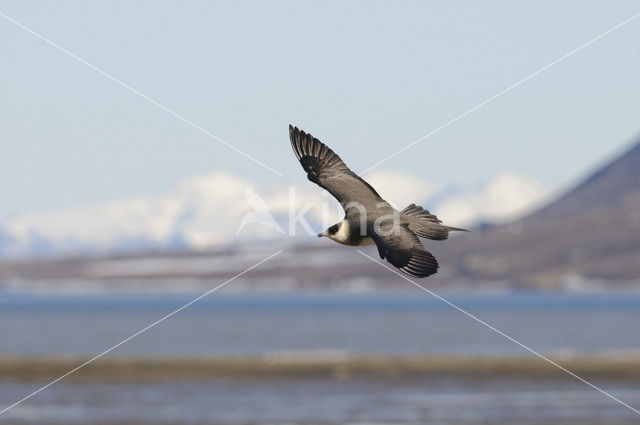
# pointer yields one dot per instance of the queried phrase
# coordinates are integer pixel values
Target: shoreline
(309, 365)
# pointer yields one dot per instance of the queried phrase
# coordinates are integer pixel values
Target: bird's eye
(333, 228)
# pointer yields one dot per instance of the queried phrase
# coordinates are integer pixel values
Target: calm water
(366, 324)
(361, 324)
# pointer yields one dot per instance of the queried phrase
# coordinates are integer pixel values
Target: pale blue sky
(366, 77)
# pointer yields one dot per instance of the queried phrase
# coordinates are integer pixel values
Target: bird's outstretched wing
(402, 248)
(328, 171)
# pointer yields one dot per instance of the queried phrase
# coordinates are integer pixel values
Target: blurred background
(125, 197)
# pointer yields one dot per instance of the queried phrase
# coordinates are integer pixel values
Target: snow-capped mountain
(221, 209)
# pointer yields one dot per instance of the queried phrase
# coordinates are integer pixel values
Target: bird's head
(331, 231)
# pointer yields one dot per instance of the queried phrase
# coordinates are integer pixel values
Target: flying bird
(369, 219)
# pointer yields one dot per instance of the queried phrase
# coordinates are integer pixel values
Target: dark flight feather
(325, 168)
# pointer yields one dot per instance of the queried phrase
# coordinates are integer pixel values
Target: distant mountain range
(588, 239)
(222, 210)
(592, 232)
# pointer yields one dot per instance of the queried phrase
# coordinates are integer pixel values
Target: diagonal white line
(137, 333)
(508, 89)
(531, 350)
(142, 95)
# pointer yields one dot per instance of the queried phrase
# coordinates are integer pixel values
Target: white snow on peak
(221, 209)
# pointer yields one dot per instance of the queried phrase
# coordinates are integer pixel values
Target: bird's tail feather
(427, 225)
(419, 212)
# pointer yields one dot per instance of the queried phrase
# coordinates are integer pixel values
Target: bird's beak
(320, 235)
